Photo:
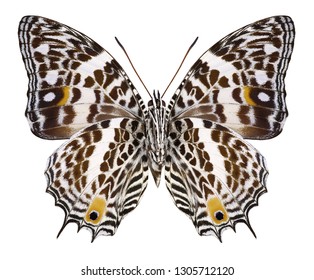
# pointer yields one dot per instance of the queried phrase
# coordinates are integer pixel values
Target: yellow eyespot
(66, 94)
(247, 96)
(217, 211)
(96, 211)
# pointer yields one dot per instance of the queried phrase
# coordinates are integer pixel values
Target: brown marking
(77, 172)
(201, 146)
(186, 136)
(119, 161)
(250, 190)
(86, 137)
(220, 52)
(232, 155)
(58, 173)
(198, 93)
(242, 114)
(135, 142)
(126, 136)
(219, 110)
(99, 76)
(228, 166)
(182, 149)
(226, 138)
(255, 183)
(97, 135)
(76, 95)
(195, 135)
(277, 42)
(236, 94)
(213, 76)
(80, 155)
(104, 167)
(235, 186)
(83, 57)
(75, 65)
(206, 156)
(61, 191)
(188, 156)
(89, 151)
(270, 67)
(130, 149)
(91, 51)
(39, 57)
(89, 82)
(36, 42)
(216, 136)
(208, 167)
(190, 102)
(57, 184)
(229, 57)
(235, 171)
(207, 124)
(223, 151)
(224, 82)
(219, 187)
(237, 65)
(203, 79)
(105, 124)
(124, 156)
(235, 78)
(180, 102)
(193, 161)
(69, 114)
(132, 102)
(85, 165)
(101, 179)
(200, 158)
(134, 125)
(83, 181)
(106, 155)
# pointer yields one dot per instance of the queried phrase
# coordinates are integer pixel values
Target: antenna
(180, 66)
(121, 46)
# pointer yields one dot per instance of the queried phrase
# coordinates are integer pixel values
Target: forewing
(73, 82)
(213, 174)
(99, 175)
(239, 82)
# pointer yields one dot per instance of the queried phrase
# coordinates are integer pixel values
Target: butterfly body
(156, 133)
(78, 91)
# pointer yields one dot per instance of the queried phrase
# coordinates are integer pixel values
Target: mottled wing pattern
(99, 175)
(239, 82)
(73, 82)
(213, 175)
(235, 90)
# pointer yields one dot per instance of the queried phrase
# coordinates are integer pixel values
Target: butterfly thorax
(155, 131)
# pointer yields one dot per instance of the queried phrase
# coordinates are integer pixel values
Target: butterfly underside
(77, 90)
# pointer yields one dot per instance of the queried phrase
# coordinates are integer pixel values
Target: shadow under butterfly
(235, 90)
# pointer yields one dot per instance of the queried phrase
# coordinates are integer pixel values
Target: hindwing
(99, 175)
(213, 175)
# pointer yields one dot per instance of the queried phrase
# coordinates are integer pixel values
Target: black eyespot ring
(219, 215)
(93, 215)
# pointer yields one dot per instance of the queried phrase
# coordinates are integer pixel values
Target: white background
(156, 234)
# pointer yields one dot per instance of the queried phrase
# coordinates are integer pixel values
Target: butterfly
(234, 91)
